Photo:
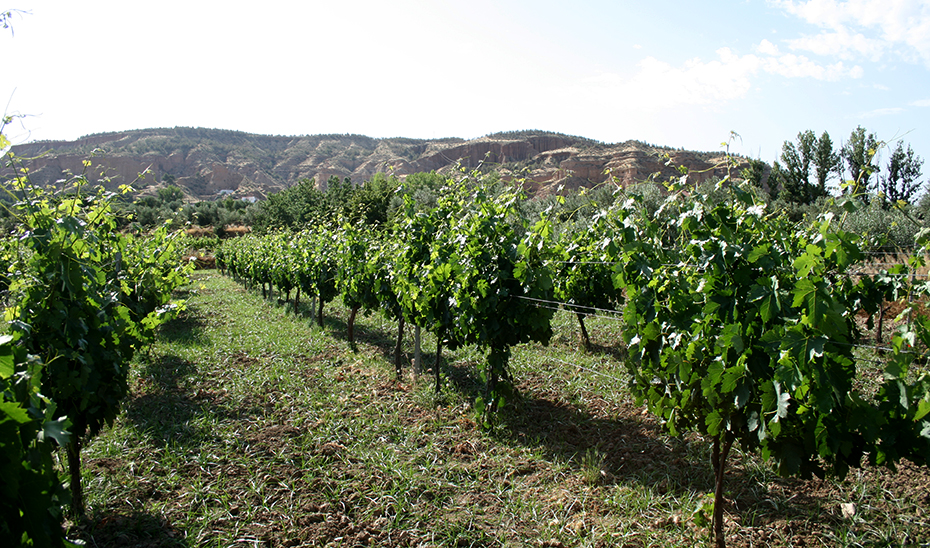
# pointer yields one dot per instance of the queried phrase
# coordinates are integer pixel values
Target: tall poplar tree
(900, 181)
(795, 168)
(827, 162)
(858, 154)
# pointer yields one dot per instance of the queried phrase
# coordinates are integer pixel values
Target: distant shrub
(883, 226)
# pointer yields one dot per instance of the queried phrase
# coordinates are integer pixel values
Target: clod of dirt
(331, 449)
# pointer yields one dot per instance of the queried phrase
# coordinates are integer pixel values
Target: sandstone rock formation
(209, 163)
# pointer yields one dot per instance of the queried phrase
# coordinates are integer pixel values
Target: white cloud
(921, 103)
(696, 82)
(842, 44)
(881, 112)
(798, 66)
(767, 48)
(660, 85)
(868, 29)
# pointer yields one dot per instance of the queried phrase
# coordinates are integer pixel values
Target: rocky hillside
(209, 163)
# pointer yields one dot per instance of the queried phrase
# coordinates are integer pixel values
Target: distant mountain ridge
(209, 163)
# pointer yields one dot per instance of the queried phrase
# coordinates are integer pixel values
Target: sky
(696, 75)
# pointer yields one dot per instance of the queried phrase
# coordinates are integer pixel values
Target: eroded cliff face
(211, 163)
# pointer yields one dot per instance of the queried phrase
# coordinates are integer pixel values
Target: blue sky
(681, 74)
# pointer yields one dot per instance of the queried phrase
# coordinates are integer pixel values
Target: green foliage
(465, 272)
(170, 193)
(858, 153)
(469, 270)
(422, 267)
(304, 204)
(205, 244)
(706, 321)
(355, 277)
(740, 322)
(743, 331)
(755, 175)
(8, 251)
(357, 272)
(293, 208)
(150, 211)
(31, 494)
(69, 308)
(573, 207)
(500, 272)
(827, 162)
(154, 266)
(84, 299)
(316, 266)
(796, 164)
(810, 156)
(425, 267)
(371, 202)
(583, 274)
(901, 180)
(423, 188)
(337, 191)
(282, 265)
(903, 414)
(880, 227)
(218, 214)
(305, 261)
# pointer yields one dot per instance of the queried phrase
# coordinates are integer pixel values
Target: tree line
(807, 168)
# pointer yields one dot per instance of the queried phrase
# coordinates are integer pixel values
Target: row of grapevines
(462, 270)
(304, 262)
(82, 299)
(740, 323)
(741, 326)
(583, 271)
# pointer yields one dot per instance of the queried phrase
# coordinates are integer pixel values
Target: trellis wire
(614, 315)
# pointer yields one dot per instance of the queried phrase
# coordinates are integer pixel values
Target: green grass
(250, 426)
